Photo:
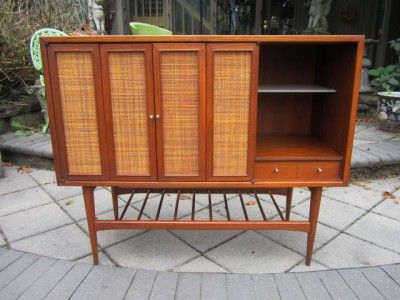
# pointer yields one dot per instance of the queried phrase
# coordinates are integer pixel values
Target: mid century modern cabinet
(203, 114)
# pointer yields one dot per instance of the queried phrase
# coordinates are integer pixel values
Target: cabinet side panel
(180, 112)
(129, 113)
(231, 94)
(78, 105)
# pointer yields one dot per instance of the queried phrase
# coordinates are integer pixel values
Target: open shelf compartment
(304, 104)
(293, 147)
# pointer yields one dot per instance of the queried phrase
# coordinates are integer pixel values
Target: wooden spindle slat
(226, 207)
(193, 204)
(209, 205)
(160, 205)
(144, 204)
(276, 205)
(177, 204)
(243, 206)
(259, 205)
(127, 205)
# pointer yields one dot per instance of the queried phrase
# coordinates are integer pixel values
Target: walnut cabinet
(202, 114)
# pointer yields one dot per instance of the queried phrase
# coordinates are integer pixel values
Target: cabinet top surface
(208, 38)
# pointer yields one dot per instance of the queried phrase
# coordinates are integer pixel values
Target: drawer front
(318, 170)
(276, 170)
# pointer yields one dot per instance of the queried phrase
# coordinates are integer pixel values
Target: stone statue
(319, 10)
(96, 15)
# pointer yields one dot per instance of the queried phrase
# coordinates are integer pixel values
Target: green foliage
(19, 19)
(387, 78)
(395, 45)
(24, 132)
(17, 125)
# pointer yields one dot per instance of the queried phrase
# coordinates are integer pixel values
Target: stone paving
(373, 147)
(29, 276)
(359, 226)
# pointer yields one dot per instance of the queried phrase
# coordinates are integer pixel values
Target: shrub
(387, 78)
(19, 19)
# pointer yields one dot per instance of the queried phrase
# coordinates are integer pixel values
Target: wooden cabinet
(202, 114)
(203, 111)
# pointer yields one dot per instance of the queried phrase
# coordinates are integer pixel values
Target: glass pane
(199, 16)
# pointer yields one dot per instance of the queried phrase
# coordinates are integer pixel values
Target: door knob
(157, 117)
(151, 117)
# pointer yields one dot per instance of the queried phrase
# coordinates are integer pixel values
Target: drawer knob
(276, 171)
(319, 170)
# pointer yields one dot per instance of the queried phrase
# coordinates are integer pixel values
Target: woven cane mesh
(180, 104)
(232, 72)
(78, 104)
(129, 113)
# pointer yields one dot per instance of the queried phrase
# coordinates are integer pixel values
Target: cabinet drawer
(276, 170)
(318, 170)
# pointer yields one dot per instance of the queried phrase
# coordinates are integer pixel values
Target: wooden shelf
(293, 147)
(293, 88)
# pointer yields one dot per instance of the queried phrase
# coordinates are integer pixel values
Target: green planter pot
(138, 28)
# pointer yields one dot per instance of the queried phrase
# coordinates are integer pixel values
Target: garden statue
(96, 15)
(319, 10)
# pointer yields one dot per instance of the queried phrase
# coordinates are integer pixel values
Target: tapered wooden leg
(315, 202)
(115, 201)
(88, 197)
(289, 195)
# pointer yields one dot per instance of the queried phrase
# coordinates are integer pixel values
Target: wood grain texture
(334, 114)
(208, 38)
(284, 114)
(255, 183)
(293, 147)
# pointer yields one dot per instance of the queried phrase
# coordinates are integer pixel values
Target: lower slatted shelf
(203, 209)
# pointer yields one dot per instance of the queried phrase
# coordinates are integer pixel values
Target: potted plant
(387, 83)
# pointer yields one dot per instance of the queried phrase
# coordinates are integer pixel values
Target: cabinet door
(179, 79)
(77, 111)
(128, 95)
(232, 78)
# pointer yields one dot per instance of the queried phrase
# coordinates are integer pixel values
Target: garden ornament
(96, 15)
(319, 10)
(37, 63)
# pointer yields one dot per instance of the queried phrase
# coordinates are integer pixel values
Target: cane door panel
(78, 109)
(231, 110)
(128, 95)
(179, 79)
